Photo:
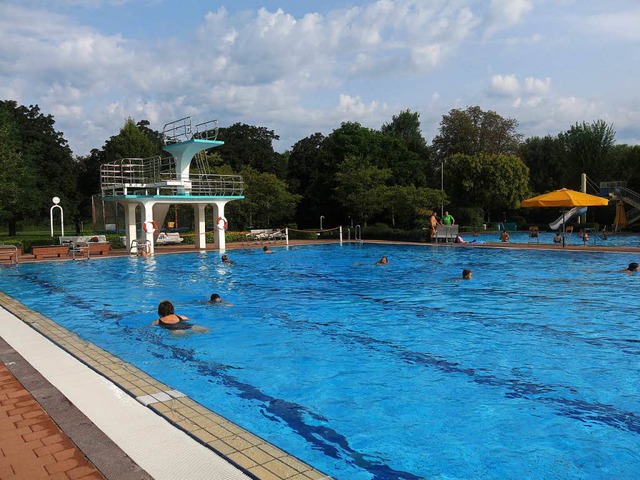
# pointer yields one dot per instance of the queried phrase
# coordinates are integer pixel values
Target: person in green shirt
(448, 219)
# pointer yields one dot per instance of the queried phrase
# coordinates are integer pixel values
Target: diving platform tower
(156, 183)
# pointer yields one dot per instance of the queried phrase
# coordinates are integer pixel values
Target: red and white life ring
(222, 223)
(150, 227)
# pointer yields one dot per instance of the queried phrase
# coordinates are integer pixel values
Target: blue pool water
(546, 238)
(530, 370)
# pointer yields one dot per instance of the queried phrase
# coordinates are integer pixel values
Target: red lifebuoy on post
(150, 227)
(222, 223)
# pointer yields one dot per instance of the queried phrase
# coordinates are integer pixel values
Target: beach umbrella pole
(564, 227)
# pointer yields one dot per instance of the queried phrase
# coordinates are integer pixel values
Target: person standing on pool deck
(434, 224)
(448, 219)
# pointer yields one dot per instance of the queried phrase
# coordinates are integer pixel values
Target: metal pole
(442, 188)
(321, 217)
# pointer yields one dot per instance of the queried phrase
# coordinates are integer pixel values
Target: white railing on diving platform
(157, 176)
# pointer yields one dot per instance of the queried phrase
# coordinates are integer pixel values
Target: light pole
(321, 218)
(442, 188)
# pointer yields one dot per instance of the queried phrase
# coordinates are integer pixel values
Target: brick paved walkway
(31, 444)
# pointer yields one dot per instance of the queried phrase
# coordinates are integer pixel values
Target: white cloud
(290, 73)
(537, 86)
(504, 14)
(505, 85)
(510, 86)
(619, 25)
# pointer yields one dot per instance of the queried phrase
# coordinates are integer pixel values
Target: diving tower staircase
(181, 177)
(620, 191)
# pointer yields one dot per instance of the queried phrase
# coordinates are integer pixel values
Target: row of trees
(477, 165)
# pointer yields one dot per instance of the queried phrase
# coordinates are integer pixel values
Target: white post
(131, 233)
(340, 234)
(147, 226)
(56, 201)
(583, 188)
(321, 218)
(286, 235)
(441, 188)
(201, 238)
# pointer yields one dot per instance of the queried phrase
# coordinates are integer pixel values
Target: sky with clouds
(303, 66)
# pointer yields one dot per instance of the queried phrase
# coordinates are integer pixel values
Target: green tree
(587, 150)
(361, 188)
(545, 157)
(407, 204)
(131, 142)
(248, 145)
(492, 182)
(474, 131)
(17, 183)
(267, 201)
(406, 125)
(405, 150)
(309, 176)
(45, 154)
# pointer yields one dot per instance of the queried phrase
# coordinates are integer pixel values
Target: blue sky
(299, 67)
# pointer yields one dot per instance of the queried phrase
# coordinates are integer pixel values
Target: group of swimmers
(466, 273)
(168, 319)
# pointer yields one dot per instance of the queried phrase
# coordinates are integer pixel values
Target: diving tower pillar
(183, 153)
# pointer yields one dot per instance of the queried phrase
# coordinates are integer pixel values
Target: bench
(99, 248)
(448, 233)
(50, 251)
(9, 253)
(265, 234)
(83, 239)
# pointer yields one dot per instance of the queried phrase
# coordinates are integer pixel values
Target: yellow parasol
(621, 216)
(565, 198)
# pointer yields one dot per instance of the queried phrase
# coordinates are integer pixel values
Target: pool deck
(69, 410)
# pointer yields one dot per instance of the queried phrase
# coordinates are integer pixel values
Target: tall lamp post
(56, 201)
(321, 218)
(442, 188)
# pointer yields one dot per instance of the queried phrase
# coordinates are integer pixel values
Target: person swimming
(178, 324)
(265, 249)
(382, 261)
(633, 267)
(168, 318)
(467, 274)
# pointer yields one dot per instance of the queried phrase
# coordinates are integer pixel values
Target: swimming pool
(389, 372)
(546, 238)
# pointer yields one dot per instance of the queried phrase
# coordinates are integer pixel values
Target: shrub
(470, 217)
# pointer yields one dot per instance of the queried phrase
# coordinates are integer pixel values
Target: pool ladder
(357, 234)
(136, 246)
(80, 250)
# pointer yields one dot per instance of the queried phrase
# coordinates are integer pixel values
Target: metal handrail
(177, 131)
(131, 175)
(207, 130)
(630, 196)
